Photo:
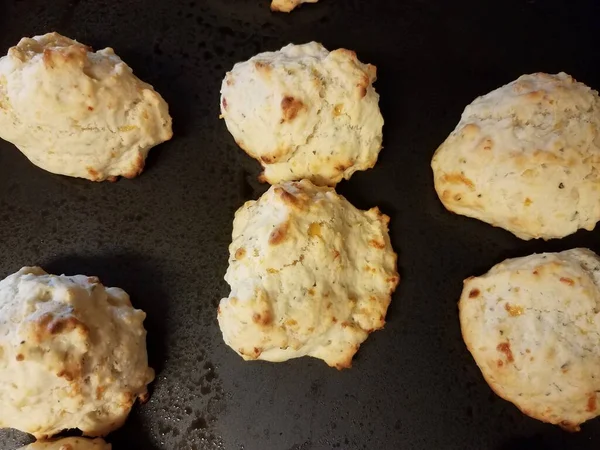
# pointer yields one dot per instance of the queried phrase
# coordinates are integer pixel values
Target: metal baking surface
(163, 237)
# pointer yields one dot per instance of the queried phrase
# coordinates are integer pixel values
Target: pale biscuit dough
(71, 443)
(304, 113)
(526, 157)
(310, 275)
(288, 5)
(532, 325)
(78, 113)
(72, 354)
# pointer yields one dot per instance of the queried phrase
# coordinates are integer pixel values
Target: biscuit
(532, 325)
(78, 113)
(70, 443)
(288, 5)
(310, 275)
(304, 113)
(72, 354)
(526, 158)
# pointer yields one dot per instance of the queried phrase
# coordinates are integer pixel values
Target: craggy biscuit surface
(78, 113)
(72, 354)
(310, 275)
(288, 5)
(526, 157)
(304, 113)
(532, 325)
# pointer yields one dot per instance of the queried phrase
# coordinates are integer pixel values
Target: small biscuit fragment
(526, 158)
(71, 443)
(532, 325)
(310, 275)
(288, 5)
(304, 113)
(72, 354)
(75, 112)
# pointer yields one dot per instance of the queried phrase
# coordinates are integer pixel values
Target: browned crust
(591, 404)
(536, 96)
(240, 253)
(384, 219)
(363, 85)
(65, 325)
(346, 363)
(367, 77)
(93, 173)
(270, 158)
(73, 54)
(127, 399)
(264, 319)
(297, 202)
(100, 392)
(474, 293)
(279, 234)
(254, 353)
(567, 281)
(70, 374)
(504, 347)
(565, 425)
(395, 279)
(458, 178)
(487, 144)
(47, 326)
(351, 54)
(287, 198)
(143, 397)
(342, 167)
(138, 167)
(540, 157)
(286, 7)
(372, 73)
(290, 108)
(263, 67)
(376, 244)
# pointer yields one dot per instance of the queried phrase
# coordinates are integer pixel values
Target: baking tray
(163, 237)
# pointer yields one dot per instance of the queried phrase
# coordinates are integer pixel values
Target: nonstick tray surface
(163, 237)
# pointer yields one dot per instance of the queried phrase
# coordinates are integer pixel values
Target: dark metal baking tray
(163, 237)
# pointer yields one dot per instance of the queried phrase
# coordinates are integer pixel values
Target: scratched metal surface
(163, 237)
